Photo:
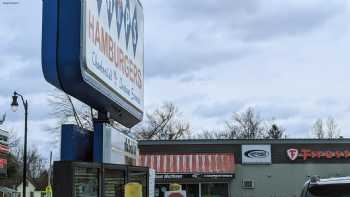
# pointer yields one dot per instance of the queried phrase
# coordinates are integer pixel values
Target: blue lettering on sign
(124, 14)
(99, 65)
(135, 97)
(124, 88)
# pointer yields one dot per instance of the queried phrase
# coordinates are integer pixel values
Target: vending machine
(80, 179)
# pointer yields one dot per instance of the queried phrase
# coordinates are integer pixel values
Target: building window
(192, 190)
(248, 184)
(31, 194)
(215, 189)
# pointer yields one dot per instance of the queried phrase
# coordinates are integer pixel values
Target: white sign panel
(151, 182)
(119, 148)
(113, 51)
(256, 154)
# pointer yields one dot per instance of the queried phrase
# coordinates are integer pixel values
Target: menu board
(86, 182)
(113, 181)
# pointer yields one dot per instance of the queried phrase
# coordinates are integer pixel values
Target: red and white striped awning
(189, 163)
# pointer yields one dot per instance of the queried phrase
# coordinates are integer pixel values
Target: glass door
(192, 190)
(214, 190)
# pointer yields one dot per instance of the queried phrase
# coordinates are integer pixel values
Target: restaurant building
(244, 168)
(4, 151)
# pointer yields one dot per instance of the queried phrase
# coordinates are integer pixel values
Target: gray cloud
(211, 58)
(295, 115)
(187, 36)
(179, 60)
(209, 10)
(219, 110)
(277, 110)
(289, 20)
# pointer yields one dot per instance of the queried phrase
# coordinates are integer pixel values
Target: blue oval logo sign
(257, 154)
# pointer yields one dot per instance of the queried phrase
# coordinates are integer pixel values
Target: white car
(332, 187)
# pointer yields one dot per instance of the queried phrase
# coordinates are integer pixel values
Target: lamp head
(14, 104)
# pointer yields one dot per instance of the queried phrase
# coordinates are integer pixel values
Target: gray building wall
(281, 180)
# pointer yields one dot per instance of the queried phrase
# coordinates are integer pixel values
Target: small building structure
(244, 168)
(33, 189)
(8, 192)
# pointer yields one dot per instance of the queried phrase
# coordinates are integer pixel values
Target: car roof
(337, 180)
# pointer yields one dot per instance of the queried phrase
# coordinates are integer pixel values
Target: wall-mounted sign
(116, 147)
(195, 176)
(305, 154)
(93, 50)
(256, 154)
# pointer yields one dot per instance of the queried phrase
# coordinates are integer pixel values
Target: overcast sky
(288, 59)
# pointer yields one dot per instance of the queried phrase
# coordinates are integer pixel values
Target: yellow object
(133, 190)
(48, 189)
(175, 187)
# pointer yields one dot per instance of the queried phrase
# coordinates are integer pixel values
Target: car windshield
(328, 190)
(328, 195)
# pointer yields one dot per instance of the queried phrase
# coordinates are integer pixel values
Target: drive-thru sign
(93, 50)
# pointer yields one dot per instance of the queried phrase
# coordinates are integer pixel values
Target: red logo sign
(292, 153)
(3, 163)
(306, 154)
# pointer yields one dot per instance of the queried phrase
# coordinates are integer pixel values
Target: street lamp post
(14, 107)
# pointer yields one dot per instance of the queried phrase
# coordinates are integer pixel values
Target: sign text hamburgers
(94, 51)
(306, 154)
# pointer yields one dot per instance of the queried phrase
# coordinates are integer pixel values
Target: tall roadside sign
(94, 51)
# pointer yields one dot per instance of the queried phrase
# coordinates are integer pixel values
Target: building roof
(243, 141)
(7, 190)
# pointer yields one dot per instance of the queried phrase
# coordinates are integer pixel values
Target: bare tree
(332, 128)
(70, 110)
(245, 125)
(326, 129)
(36, 163)
(275, 132)
(211, 134)
(164, 123)
(13, 139)
(318, 129)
